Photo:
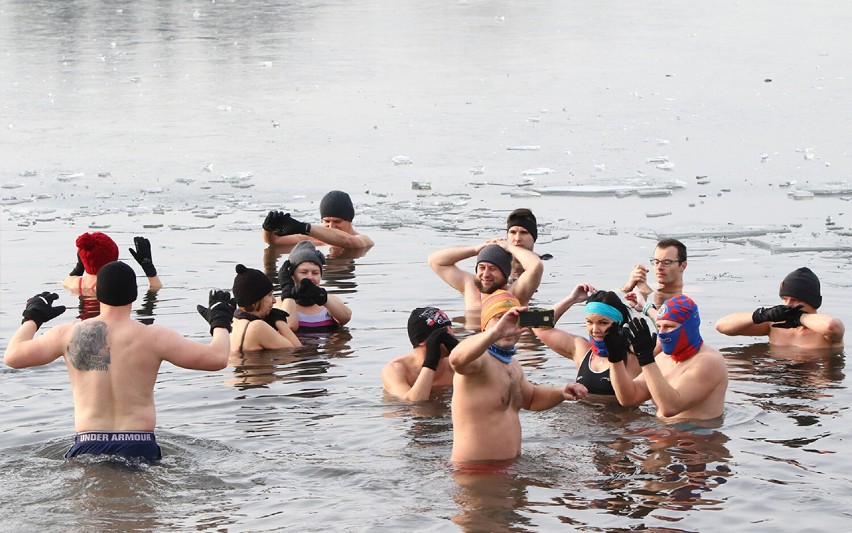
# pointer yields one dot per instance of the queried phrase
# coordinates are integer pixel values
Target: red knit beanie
(96, 250)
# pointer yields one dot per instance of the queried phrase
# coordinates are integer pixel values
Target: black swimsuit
(595, 382)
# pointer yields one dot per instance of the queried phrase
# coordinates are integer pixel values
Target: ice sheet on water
(537, 171)
(185, 227)
(832, 188)
(522, 193)
(522, 147)
(401, 160)
(722, 232)
(70, 176)
(11, 200)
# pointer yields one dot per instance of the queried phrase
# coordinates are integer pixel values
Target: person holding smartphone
(604, 310)
(489, 387)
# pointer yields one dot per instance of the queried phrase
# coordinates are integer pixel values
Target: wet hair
(669, 243)
(611, 299)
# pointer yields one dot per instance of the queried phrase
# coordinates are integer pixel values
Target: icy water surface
(724, 125)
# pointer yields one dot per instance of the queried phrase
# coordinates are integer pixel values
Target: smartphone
(535, 317)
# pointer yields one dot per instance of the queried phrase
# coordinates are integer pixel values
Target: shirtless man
(94, 250)
(521, 230)
(493, 269)
(669, 262)
(796, 322)
(113, 361)
(489, 387)
(336, 212)
(412, 377)
(687, 380)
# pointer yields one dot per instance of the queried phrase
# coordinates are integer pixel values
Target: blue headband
(600, 308)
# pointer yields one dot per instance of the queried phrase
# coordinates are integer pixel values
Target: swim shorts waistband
(128, 444)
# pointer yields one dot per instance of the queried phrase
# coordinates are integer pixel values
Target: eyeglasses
(665, 262)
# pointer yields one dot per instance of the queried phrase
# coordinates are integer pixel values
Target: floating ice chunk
(658, 214)
(534, 119)
(663, 141)
(528, 147)
(401, 160)
(152, 190)
(522, 193)
(658, 159)
(196, 14)
(152, 226)
(223, 107)
(103, 195)
(67, 176)
(183, 227)
(185, 180)
(208, 167)
(266, 64)
(27, 173)
(702, 180)
(104, 174)
(536, 171)
(600, 166)
(11, 200)
(829, 189)
(477, 170)
(809, 155)
(11, 186)
(666, 166)
(207, 215)
(764, 158)
(652, 193)
(801, 195)
(421, 186)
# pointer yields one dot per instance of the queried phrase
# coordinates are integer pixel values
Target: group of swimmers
(639, 345)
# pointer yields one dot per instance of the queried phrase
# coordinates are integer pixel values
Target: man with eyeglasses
(669, 262)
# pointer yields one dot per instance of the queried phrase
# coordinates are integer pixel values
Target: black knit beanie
(116, 284)
(250, 285)
(423, 321)
(337, 204)
(802, 284)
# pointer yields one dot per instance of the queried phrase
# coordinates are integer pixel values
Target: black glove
(275, 315)
(291, 226)
(643, 342)
(220, 313)
(142, 254)
(273, 221)
(306, 293)
(768, 314)
(616, 341)
(285, 278)
(433, 346)
(78, 270)
(791, 317)
(40, 308)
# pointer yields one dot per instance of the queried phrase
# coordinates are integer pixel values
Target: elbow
(11, 362)
(432, 260)
(836, 330)
(668, 411)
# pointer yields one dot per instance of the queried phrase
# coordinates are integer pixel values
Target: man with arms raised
(796, 322)
(113, 361)
(669, 262)
(336, 230)
(687, 380)
(493, 269)
(489, 387)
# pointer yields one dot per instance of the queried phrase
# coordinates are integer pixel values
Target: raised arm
(527, 283)
(24, 350)
(280, 228)
(465, 358)
(142, 255)
(443, 263)
(741, 324)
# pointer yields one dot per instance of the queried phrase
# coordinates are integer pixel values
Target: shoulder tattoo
(88, 348)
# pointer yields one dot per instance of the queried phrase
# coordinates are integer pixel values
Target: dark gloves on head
(40, 308)
(616, 342)
(142, 254)
(782, 316)
(220, 312)
(433, 346)
(642, 340)
(306, 293)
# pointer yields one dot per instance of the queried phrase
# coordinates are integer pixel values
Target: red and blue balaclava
(685, 341)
